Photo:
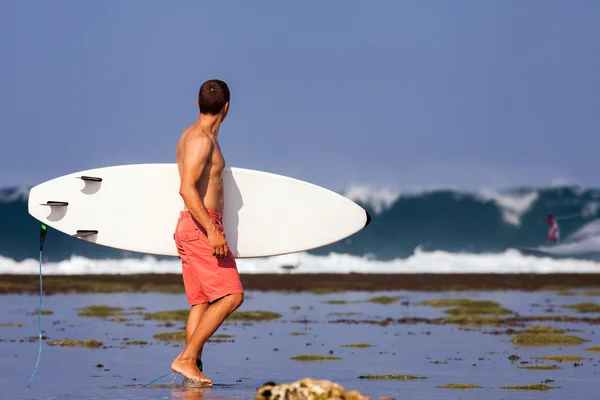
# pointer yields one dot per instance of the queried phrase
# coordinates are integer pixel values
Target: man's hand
(218, 243)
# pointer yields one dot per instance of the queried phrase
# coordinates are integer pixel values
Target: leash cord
(160, 377)
(42, 240)
(39, 326)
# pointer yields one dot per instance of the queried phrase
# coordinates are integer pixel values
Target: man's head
(213, 98)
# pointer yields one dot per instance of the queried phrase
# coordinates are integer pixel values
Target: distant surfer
(553, 233)
(210, 276)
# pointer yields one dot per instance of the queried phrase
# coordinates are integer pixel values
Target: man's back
(192, 143)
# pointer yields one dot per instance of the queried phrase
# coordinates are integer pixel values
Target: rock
(306, 389)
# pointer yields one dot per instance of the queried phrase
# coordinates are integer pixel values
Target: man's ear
(225, 109)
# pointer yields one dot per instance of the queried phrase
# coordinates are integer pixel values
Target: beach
(413, 336)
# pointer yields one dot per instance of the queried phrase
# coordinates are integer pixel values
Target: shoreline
(317, 283)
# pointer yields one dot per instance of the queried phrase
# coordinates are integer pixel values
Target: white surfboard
(136, 208)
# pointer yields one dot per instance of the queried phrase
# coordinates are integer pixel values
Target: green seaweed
(472, 310)
(325, 291)
(345, 314)
(459, 386)
(585, 307)
(561, 358)
(43, 312)
(541, 367)
(543, 329)
(314, 357)
(357, 345)
(177, 336)
(90, 344)
(471, 320)
(169, 315)
(99, 311)
(391, 376)
(536, 386)
(385, 299)
(253, 316)
(548, 339)
(13, 324)
(135, 342)
(335, 302)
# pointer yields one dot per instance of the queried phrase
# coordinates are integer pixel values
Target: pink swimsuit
(553, 232)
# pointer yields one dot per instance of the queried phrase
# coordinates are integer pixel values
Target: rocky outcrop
(306, 389)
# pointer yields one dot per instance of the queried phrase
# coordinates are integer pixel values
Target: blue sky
(383, 93)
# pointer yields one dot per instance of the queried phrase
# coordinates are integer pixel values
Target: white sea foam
(14, 194)
(510, 261)
(513, 205)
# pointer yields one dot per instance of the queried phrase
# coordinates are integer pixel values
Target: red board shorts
(206, 277)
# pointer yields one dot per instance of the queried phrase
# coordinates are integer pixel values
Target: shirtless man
(210, 276)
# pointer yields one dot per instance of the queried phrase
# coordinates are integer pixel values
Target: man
(210, 276)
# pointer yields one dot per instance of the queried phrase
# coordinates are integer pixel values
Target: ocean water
(434, 231)
(261, 351)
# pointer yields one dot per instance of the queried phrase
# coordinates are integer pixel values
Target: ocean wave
(445, 219)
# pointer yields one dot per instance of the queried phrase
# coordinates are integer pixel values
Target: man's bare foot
(190, 370)
(186, 383)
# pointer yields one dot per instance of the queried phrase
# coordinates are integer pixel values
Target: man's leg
(192, 323)
(209, 322)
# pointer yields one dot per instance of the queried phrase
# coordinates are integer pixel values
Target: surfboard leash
(43, 229)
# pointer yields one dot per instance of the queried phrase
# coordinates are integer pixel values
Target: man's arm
(197, 152)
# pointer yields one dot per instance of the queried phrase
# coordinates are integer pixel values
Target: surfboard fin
(55, 203)
(90, 178)
(83, 233)
(368, 218)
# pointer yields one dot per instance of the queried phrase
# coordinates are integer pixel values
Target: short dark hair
(212, 96)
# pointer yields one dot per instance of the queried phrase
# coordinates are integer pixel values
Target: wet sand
(172, 283)
(372, 333)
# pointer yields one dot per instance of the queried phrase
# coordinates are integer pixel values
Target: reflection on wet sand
(193, 394)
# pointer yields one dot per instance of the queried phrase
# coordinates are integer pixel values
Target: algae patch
(100, 311)
(546, 339)
(593, 348)
(541, 367)
(561, 358)
(221, 336)
(314, 357)
(253, 316)
(391, 376)
(585, 307)
(335, 302)
(90, 344)
(471, 320)
(169, 315)
(178, 336)
(357, 345)
(537, 386)
(13, 324)
(543, 329)
(385, 299)
(345, 314)
(135, 343)
(459, 386)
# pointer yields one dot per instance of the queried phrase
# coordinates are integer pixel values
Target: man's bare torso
(210, 185)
